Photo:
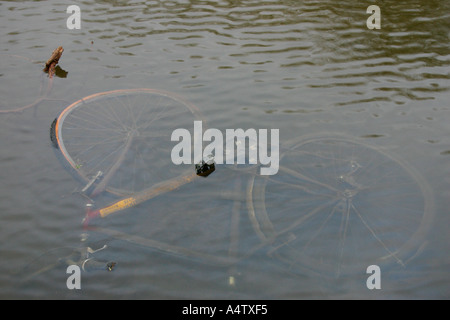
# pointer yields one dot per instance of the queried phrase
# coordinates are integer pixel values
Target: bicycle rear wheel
(338, 205)
(125, 135)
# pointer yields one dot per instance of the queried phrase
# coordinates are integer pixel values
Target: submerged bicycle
(336, 205)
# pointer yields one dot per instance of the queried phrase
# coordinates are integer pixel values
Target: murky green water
(308, 68)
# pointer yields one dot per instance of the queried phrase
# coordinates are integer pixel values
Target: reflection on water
(304, 67)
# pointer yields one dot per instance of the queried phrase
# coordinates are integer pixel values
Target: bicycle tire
(93, 132)
(343, 216)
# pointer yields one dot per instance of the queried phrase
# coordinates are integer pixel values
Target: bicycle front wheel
(125, 135)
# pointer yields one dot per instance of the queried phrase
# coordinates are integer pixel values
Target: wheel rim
(127, 128)
(341, 205)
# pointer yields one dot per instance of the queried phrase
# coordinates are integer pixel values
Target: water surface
(307, 68)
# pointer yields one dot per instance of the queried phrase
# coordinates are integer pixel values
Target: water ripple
(296, 65)
(329, 39)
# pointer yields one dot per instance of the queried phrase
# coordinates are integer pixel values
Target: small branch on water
(50, 66)
(53, 61)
